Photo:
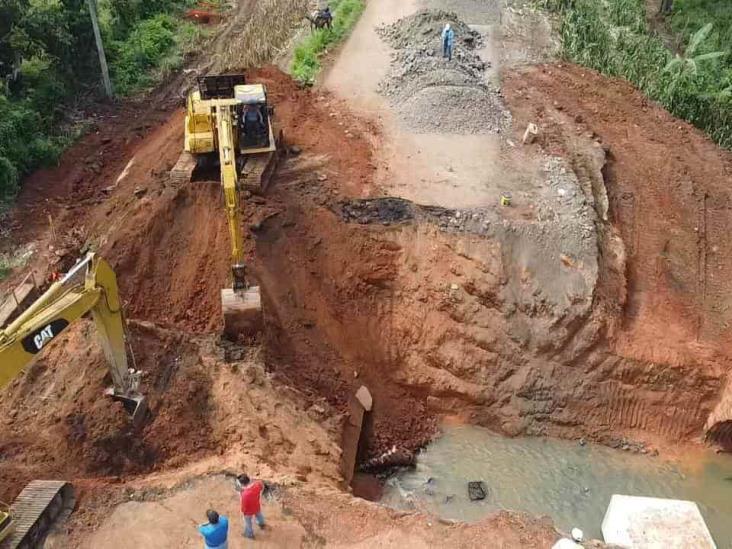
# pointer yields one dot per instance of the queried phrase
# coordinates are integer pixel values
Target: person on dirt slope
(448, 39)
(215, 531)
(251, 492)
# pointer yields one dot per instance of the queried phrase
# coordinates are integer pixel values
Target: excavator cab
(255, 130)
(257, 139)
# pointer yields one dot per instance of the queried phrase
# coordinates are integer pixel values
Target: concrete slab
(655, 523)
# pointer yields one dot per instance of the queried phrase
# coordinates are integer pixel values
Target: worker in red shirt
(251, 491)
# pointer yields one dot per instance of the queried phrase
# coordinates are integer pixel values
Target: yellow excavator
(230, 122)
(90, 286)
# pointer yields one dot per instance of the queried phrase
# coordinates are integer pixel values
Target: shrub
(24, 144)
(146, 45)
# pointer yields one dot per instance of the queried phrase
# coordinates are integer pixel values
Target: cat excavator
(230, 122)
(90, 286)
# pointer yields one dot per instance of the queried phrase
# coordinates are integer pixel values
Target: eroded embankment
(545, 318)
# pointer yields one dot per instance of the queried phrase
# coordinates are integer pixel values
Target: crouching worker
(215, 531)
(251, 507)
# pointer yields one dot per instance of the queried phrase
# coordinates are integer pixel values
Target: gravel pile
(432, 94)
(420, 29)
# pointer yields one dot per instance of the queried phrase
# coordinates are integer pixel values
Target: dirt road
(428, 168)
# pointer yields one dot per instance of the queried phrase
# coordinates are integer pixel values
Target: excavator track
(259, 168)
(183, 169)
(34, 511)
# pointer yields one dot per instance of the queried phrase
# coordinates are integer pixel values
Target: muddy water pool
(562, 479)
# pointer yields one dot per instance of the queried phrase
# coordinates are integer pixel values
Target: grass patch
(306, 61)
(14, 260)
(612, 37)
(154, 48)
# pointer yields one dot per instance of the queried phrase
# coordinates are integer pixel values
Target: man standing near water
(215, 531)
(251, 507)
(448, 37)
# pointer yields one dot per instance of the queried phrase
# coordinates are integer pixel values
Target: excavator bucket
(242, 311)
(134, 404)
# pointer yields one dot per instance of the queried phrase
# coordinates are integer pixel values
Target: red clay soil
(170, 249)
(327, 287)
(670, 197)
(334, 293)
(61, 426)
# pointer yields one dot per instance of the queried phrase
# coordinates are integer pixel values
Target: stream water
(562, 479)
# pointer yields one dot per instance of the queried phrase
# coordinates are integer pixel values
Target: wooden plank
(352, 437)
(16, 301)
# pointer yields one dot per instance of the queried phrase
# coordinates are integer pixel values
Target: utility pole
(100, 47)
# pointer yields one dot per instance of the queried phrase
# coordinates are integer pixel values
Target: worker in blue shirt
(448, 38)
(214, 532)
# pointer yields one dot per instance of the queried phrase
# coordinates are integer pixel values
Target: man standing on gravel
(448, 37)
(250, 503)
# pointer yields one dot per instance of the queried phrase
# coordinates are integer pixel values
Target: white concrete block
(655, 523)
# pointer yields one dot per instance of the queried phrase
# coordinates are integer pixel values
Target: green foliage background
(613, 37)
(48, 56)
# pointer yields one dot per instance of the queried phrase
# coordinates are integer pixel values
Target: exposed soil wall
(668, 189)
(499, 324)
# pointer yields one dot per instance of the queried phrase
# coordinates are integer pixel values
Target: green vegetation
(691, 15)
(154, 48)
(10, 261)
(612, 36)
(48, 58)
(306, 62)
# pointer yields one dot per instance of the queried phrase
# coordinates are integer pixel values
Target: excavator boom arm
(211, 127)
(91, 286)
(229, 179)
(20, 347)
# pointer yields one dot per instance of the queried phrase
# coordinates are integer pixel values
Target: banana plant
(688, 63)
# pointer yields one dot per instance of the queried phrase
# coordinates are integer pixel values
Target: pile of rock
(386, 210)
(432, 94)
(420, 29)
